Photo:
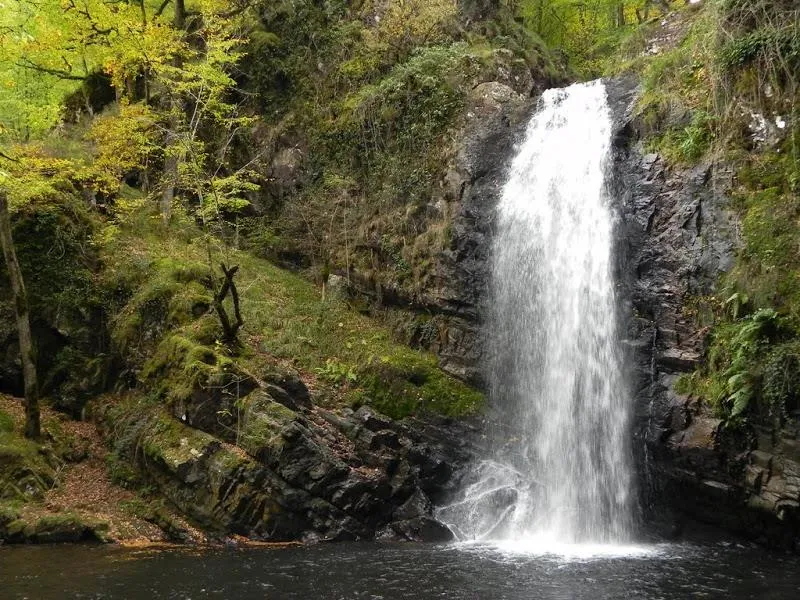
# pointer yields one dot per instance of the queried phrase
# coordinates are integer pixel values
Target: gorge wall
(678, 236)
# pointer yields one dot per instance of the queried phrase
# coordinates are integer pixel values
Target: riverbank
(62, 490)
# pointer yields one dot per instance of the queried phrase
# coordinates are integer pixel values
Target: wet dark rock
(496, 120)
(420, 529)
(314, 474)
(676, 238)
(290, 385)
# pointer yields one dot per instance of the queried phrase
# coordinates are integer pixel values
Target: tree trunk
(26, 348)
(179, 20)
(172, 161)
(620, 15)
(170, 177)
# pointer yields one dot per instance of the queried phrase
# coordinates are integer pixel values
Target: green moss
(264, 426)
(172, 442)
(166, 293)
(8, 513)
(406, 383)
(6, 422)
(26, 468)
(182, 365)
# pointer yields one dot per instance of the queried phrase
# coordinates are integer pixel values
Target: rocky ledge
(745, 482)
(303, 473)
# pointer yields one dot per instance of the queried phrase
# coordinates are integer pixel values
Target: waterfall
(559, 470)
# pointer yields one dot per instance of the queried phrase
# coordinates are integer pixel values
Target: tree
(20, 300)
(171, 73)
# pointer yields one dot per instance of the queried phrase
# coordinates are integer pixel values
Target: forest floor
(82, 488)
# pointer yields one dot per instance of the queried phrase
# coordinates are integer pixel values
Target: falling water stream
(559, 473)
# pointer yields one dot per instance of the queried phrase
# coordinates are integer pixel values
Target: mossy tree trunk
(20, 298)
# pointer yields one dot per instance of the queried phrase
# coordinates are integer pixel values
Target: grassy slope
(345, 357)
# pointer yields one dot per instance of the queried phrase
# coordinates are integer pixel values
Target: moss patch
(265, 425)
(26, 469)
(406, 382)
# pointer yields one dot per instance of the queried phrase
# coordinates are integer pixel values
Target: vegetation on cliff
(727, 95)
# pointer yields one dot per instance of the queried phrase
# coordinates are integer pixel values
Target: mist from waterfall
(559, 471)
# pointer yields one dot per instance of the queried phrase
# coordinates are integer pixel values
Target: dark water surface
(373, 571)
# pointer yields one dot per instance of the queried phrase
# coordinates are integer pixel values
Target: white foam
(544, 546)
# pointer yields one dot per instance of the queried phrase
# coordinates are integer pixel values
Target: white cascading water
(560, 471)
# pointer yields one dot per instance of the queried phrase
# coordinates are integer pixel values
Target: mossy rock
(218, 486)
(26, 469)
(266, 425)
(56, 529)
(408, 383)
(174, 444)
(8, 514)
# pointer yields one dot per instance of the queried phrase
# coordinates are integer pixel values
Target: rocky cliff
(678, 236)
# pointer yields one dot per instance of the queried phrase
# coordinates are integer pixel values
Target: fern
(748, 342)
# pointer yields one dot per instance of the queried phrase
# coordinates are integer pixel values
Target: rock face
(308, 473)
(496, 119)
(676, 239)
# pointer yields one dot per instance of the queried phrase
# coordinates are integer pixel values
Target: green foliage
(781, 381)
(689, 144)
(337, 373)
(587, 31)
(413, 103)
(369, 94)
(732, 378)
(769, 209)
(765, 42)
(8, 513)
(677, 106)
(123, 140)
(748, 342)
